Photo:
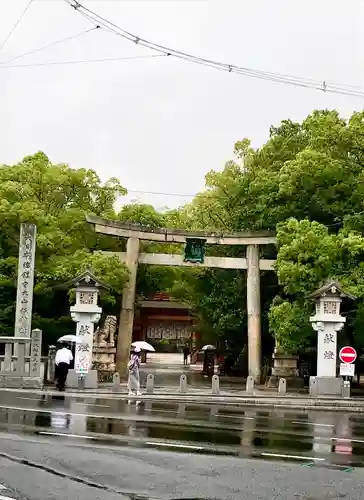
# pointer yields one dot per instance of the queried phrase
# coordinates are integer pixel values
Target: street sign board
(82, 365)
(347, 369)
(347, 354)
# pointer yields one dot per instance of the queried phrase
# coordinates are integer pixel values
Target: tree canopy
(56, 198)
(305, 182)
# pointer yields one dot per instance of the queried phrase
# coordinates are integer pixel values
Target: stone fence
(43, 366)
(22, 371)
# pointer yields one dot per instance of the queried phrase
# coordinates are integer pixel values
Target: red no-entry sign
(347, 354)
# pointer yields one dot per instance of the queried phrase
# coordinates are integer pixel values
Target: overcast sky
(161, 124)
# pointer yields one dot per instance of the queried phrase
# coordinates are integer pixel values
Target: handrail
(14, 357)
(14, 340)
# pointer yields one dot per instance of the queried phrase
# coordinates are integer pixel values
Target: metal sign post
(347, 357)
(347, 354)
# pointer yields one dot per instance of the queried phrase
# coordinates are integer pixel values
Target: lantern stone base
(285, 366)
(90, 380)
(326, 386)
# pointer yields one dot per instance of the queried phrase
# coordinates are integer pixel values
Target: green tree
(308, 255)
(56, 198)
(311, 171)
(145, 215)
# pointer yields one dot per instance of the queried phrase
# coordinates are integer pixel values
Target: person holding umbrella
(134, 376)
(134, 364)
(63, 359)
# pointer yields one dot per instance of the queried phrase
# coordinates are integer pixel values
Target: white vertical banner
(83, 357)
(24, 294)
(326, 351)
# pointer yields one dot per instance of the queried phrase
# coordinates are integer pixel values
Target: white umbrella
(208, 347)
(71, 338)
(144, 346)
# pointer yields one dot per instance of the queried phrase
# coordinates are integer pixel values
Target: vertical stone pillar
(51, 367)
(35, 353)
(24, 294)
(326, 349)
(127, 308)
(253, 309)
(83, 354)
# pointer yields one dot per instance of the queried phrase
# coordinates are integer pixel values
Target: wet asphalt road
(63, 448)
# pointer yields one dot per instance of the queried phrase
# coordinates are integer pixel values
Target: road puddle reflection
(335, 439)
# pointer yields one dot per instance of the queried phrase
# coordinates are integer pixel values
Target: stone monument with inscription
(327, 322)
(104, 350)
(24, 294)
(85, 313)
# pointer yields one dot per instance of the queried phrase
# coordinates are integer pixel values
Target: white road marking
(236, 416)
(49, 411)
(5, 498)
(312, 423)
(345, 440)
(54, 413)
(153, 443)
(348, 440)
(29, 399)
(78, 403)
(291, 456)
(160, 411)
(170, 445)
(63, 434)
(91, 404)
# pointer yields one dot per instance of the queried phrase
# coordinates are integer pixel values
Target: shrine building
(164, 323)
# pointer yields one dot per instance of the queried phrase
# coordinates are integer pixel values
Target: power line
(208, 194)
(134, 191)
(15, 25)
(156, 193)
(262, 75)
(57, 42)
(82, 61)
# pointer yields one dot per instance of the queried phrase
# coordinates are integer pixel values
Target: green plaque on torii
(195, 250)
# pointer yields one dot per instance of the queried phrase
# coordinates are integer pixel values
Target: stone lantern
(85, 313)
(284, 366)
(327, 321)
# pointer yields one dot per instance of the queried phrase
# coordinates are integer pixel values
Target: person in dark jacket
(186, 353)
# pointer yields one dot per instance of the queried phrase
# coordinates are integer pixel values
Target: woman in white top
(134, 379)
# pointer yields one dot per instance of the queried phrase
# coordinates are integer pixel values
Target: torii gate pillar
(125, 333)
(253, 310)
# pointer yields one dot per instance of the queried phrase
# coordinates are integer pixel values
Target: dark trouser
(62, 372)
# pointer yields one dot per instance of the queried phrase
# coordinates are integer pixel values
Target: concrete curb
(287, 402)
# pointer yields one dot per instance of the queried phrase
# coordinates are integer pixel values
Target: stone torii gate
(252, 263)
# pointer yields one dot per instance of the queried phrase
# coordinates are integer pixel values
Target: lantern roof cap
(88, 279)
(331, 288)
